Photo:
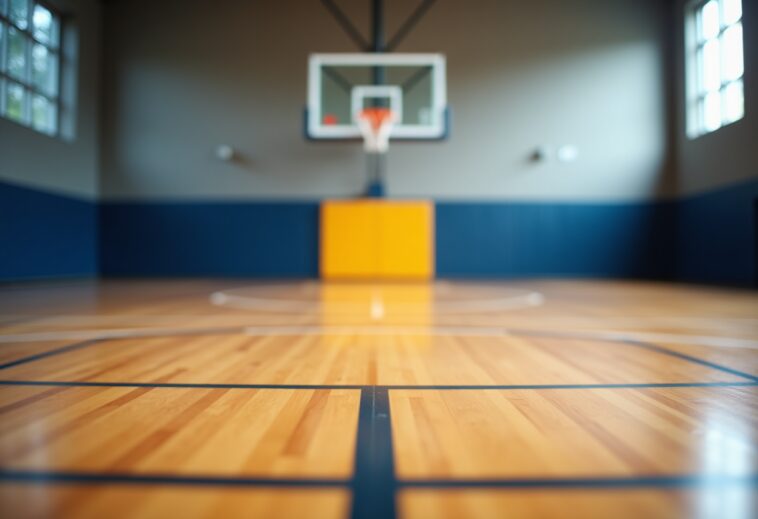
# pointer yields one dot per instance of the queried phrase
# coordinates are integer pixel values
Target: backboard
(413, 86)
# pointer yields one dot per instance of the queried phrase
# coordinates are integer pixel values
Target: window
(29, 64)
(715, 65)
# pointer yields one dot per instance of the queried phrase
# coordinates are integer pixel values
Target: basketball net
(376, 125)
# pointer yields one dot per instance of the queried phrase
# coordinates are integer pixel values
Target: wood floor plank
(65, 501)
(738, 502)
(570, 433)
(201, 431)
(368, 358)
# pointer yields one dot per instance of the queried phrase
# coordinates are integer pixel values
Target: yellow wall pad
(377, 239)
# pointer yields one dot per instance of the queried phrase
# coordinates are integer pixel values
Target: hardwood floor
(161, 501)
(737, 501)
(287, 433)
(553, 433)
(211, 398)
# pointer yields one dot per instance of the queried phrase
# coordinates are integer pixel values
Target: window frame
(54, 48)
(695, 44)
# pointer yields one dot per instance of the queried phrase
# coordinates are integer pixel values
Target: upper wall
(728, 155)
(68, 166)
(183, 76)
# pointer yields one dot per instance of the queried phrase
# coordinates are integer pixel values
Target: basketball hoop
(375, 125)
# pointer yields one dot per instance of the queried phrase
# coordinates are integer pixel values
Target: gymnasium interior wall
(582, 73)
(181, 77)
(718, 180)
(49, 186)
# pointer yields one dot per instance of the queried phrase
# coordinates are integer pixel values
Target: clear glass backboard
(413, 86)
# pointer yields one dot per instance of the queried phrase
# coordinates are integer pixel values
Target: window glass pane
(712, 111)
(732, 11)
(18, 12)
(711, 70)
(3, 6)
(2, 45)
(14, 102)
(43, 69)
(709, 20)
(17, 43)
(43, 114)
(45, 26)
(734, 102)
(731, 43)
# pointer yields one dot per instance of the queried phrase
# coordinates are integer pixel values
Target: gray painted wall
(68, 166)
(730, 154)
(184, 76)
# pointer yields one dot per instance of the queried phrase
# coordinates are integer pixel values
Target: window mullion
(3, 50)
(58, 56)
(29, 80)
(3, 86)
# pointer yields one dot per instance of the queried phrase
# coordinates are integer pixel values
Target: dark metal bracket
(377, 25)
(346, 25)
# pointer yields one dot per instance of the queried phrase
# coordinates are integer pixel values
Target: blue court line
(405, 387)
(374, 481)
(677, 481)
(100, 340)
(690, 358)
(50, 353)
(31, 476)
(641, 344)
(673, 481)
(528, 333)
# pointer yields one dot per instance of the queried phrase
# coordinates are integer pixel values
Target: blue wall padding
(708, 238)
(555, 239)
(259, 239)
(46, 235)
(717, 236)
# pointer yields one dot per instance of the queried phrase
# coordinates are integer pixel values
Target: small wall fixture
(225, 152)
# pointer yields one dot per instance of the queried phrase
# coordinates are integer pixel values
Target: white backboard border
(436, 130)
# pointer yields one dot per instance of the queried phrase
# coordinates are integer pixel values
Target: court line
(33, 476)
(700, 340)
(374, 482)
(690, 358)
(118, 333)
(703, 481)
(363, 387)
(49, 353)
(688, 480)
(646, 345)
(524, 298)
(141, 318)
(484, 331)
(617, 338)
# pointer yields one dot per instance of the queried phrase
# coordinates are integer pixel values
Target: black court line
(505, 387)
(49, 353)
(33, 476)
(691, 358)
(677, 481)
(374, 481)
